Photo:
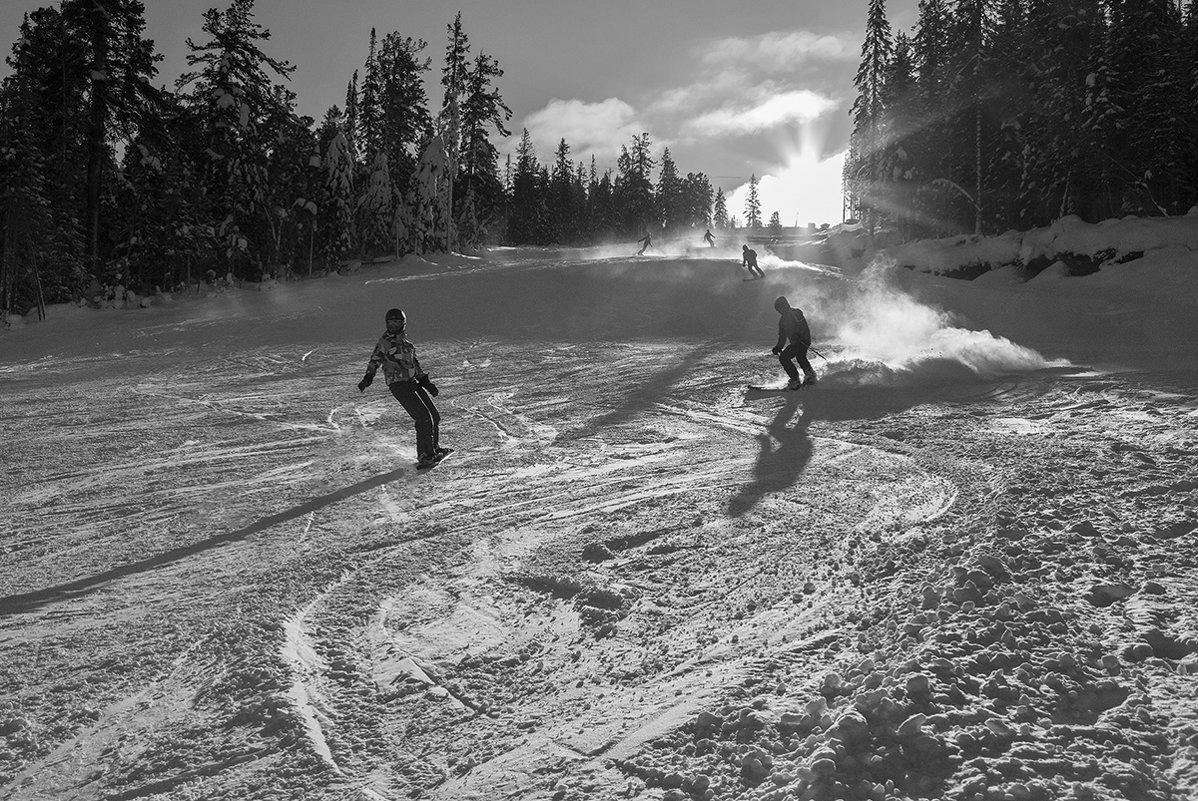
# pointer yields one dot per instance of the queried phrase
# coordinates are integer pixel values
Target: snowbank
(1105, 243)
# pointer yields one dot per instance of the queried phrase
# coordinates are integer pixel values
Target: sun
(807, 190)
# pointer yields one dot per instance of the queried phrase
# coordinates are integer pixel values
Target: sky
(759, 88)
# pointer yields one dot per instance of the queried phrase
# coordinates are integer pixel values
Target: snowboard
(438, 461)
(779, 388)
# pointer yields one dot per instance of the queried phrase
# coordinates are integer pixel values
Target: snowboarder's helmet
(781, 303)
(396, 314)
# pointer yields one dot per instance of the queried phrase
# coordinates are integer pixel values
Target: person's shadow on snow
(785, 449)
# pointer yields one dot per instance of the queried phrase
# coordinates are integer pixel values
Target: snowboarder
(794, 338)
(410, 385)
(749, 260)
(708, 238)
(648, 240)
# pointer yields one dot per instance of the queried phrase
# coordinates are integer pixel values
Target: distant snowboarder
(410, 385)
(749, 261)
(648, 242)
(794, 338)
(708, 238)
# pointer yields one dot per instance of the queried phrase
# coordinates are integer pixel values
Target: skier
(648, 240)
(410, 385)
(708, 238)
(794, 338)
(749, 260)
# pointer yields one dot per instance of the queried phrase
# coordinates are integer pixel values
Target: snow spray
(890, 338)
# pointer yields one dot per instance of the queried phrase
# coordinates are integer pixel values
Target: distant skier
(794, 338)
(708, 238)
(410, 385)
(749, 260)
(648, 240)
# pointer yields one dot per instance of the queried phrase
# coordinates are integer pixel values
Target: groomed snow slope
(960, 567)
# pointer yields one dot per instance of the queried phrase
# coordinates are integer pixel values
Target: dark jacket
(397, 357)
(792, 327)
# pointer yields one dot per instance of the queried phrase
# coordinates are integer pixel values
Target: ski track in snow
(228, 573)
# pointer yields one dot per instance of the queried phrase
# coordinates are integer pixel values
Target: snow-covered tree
(376, 215)
(339, 199)
(230, 94)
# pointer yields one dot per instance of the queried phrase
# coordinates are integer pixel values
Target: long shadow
(31, 601)
(641, 398)
(779, 466)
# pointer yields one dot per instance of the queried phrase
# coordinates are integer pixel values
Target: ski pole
(817, 353)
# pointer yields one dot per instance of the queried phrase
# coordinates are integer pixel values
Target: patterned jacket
(397, 357)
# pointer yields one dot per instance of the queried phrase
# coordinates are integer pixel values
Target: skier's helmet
(781, 303)
(396, 319)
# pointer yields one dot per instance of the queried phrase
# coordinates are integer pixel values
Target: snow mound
(1110, 241)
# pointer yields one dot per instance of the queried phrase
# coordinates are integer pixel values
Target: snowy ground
(963, 566)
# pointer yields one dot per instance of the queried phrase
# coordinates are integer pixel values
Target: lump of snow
(1103, 595)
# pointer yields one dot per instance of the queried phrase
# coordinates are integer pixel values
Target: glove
(366, 381)
(425, 382)
(774, 350)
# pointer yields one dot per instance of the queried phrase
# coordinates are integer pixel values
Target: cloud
(771, 110)
(780, 50)
(588, 128)
(749, 85)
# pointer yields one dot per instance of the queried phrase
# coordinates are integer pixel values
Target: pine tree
(483, 112)
(369, 113)
(753, 206)
(25, 219)
(41, 104)
(1146, 81)
(120, 65)
(1064, 144)
(378, 208)
(670, 200)
(897, 156)
(339, 199)
(876, 54)
(352, 121)
(775, 224)
(696, 190)
(454, 73)
(405, 124)
(719, 216)
(632, 192)
(522, 220)
(232, 94)
(562, 210)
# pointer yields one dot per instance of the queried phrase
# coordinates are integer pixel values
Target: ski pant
(754, 270)
(419, 406)
(794, 352)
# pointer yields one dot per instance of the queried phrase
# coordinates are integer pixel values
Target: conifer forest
(988, 115)
(994, 115)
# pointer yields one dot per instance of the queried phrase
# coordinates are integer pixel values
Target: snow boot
(794, 383)
(809, 378)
